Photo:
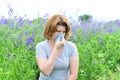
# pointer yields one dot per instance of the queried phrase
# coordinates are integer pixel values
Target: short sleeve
(74, 51)
(40, 51)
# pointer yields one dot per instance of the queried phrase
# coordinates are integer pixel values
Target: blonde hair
(53, 22)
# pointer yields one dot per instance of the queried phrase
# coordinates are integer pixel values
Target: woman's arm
(46, 65)
(74, 65)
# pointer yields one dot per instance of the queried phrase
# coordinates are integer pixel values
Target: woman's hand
(59, 46)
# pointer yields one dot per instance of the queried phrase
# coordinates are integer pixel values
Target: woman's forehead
(61, 27)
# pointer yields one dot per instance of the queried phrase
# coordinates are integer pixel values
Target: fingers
(60, 37)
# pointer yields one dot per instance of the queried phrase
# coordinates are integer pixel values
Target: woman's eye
(64, 32)
(61, 31)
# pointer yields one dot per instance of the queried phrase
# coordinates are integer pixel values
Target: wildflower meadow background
(98, 44)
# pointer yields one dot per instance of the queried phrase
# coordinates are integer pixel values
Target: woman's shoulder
(70, 44)
(42, 43)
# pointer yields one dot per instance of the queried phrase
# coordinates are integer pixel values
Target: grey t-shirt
(61, 69)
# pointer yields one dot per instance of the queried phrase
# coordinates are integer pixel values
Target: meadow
(98, 44)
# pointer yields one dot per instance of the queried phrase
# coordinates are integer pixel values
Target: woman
(57, 60)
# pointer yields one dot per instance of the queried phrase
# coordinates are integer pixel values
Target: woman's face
(60, 29)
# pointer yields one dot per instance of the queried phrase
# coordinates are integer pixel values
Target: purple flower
(46, 16)
(94, 24)
(110, 31)
(93, 31)
(75, 27)
(21, 21)
(84, 32)
(3, 20)
(117, 23)
(10, 11)
(105, 25)
(29, 22)
(26, 32)
(12, 24)
(90, 19)
(30, 40)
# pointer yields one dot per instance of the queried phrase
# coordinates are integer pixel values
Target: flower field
(98, 44)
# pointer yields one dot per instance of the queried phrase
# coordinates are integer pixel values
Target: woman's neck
(51, 43)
